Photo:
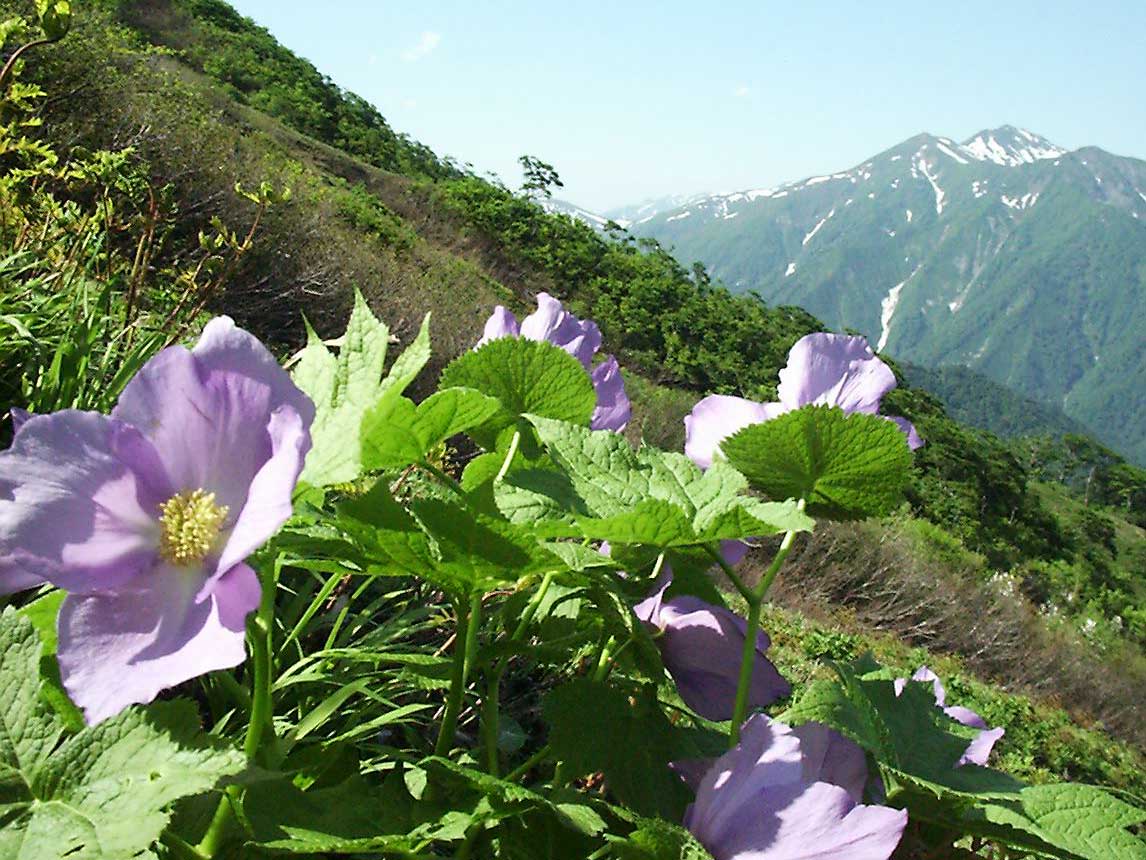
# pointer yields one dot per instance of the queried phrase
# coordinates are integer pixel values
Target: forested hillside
(181, 162)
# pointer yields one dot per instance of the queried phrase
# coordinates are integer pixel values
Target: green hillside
(190, 98)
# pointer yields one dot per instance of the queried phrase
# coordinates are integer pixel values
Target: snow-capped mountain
(1004, 253)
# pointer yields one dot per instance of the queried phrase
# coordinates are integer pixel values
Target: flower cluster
(581, 339)
(145, 516)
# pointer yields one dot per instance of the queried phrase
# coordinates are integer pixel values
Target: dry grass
(885, 574)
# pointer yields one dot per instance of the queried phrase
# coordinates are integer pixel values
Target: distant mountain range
(1005, 253)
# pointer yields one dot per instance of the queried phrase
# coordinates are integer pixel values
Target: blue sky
(632, 100)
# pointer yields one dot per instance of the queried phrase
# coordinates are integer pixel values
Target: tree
(539, 177)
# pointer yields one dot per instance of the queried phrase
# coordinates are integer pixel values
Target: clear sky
(633, 100)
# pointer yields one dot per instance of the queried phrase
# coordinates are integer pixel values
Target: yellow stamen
(190, 523)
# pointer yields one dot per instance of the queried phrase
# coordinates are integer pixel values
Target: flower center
(189, 525)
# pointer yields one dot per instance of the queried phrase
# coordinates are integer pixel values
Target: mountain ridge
(1004, 253)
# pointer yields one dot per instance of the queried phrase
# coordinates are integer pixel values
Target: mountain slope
(1004, 253)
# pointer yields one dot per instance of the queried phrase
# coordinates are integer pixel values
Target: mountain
(646, 210)
(555, 206)
(1004, 253)
(973, 399)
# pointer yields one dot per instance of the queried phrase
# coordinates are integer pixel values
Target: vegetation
(120, 232)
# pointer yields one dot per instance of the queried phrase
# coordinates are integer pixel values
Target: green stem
(442, 477)
(261, 722)
(603, 666)
(755, 600)
(180, 849)
(747, 664)
(465, 647)
(491, 707)
(529, 764)
(510, 454)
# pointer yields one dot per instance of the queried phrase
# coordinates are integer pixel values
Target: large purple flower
(702, 645)
(146, 516)
(555, 325)
(823, 369)
(787, 793)
(979, 749)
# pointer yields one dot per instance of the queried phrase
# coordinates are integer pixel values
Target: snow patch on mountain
(887, 309)
(1023, 202)
(816, 229)
(791, 270)
(1010, 147)
(933, 180)
(682, 215)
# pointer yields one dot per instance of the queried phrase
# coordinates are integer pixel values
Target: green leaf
(594, 727)
(844, 466)
(346, 386)
(654, 839)
(451, 545)
(1081, 819)
(915, 741)
(395, 433)
(608, 491)
(527, 377)
(55, 17)
(348, 818)
(101, 793)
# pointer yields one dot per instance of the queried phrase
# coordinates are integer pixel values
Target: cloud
(741, 91)
(426, 43)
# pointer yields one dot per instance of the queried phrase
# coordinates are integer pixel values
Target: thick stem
(465, 646)
(748, 658)
(747, 664)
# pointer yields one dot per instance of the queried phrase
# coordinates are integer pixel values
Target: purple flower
(823, 369)
(702, 646)
(787, 793)
(979, 749)
(146, 516)
(555, 325)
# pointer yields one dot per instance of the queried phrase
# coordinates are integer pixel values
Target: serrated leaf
(102, 793)
(1081, 819)
(527, 377)
(457, 548)
(346, 386)
(844, 466)
(916, 742)
(608, 491)
(395, 433)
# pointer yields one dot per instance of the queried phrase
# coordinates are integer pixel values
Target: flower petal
(830, 757)
(766, 758)
(836, 370)
(914, 440)
(758, 802)
(501, 323)
(207, 411)
(613, 408)
(123, 648)
(79, 495)
(268, 504)
(551, 323)
(18, 416)
(979, 749)
(702, 646)
(717, 417)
